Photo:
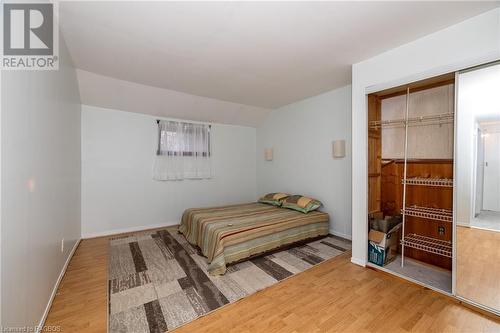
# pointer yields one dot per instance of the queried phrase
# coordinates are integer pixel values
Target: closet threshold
(404, 276)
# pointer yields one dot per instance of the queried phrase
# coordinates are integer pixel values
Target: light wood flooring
(478, 265)
(335, 296)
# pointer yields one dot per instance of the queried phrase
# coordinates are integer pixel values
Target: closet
(410, 176)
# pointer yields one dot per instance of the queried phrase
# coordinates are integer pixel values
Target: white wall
(301, 135)
(118, 192)
(40, 155)
(468, 43)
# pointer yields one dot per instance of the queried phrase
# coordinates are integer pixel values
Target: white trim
(482, 228)
(478, 305)
(126, 230)
(455, 222)
(359, 262)
(0, 201)
(436, 71)
(56, 286)
(340, 234)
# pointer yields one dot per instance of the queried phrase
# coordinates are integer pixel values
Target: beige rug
(157, 281)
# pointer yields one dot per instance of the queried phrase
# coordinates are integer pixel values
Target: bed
(230, 234)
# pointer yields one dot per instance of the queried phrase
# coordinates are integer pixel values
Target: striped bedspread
(232, 233)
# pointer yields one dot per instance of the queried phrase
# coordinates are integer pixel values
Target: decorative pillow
(301, 204)
(274, 199)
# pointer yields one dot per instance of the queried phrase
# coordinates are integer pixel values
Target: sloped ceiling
(107, 92)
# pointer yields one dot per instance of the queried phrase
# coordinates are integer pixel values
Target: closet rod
(424, 120)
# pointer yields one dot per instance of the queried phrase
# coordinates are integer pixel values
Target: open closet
(410, 180)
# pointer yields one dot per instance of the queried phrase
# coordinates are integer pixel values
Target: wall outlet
(441, 230)
(62, 245)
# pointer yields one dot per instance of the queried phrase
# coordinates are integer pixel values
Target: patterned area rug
(157, 281)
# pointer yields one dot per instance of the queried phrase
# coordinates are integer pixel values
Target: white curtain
(183, 152)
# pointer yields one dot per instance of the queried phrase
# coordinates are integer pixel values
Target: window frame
(184, 153)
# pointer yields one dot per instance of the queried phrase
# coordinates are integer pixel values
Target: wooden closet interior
(410, 166)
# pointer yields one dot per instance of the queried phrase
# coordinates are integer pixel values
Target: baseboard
(111, 232)
(56, 286)
(340, 234)
(358, 261)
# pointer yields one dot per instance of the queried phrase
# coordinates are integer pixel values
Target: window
(183, 139)
(183, 151)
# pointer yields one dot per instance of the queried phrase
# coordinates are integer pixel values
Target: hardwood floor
(478, 265)
(81, 302)
(335, 296)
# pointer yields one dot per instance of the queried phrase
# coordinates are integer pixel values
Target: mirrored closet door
(478, 186)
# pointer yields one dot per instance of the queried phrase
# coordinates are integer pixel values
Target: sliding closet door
(478, 186)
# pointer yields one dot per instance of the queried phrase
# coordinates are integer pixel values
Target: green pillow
(301, 203)
(274, 199)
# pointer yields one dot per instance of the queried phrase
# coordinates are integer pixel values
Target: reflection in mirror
(478, 186)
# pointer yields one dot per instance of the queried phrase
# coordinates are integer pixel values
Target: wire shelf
(438, 119)
(438, 214)
(439, 182)
(428, 244)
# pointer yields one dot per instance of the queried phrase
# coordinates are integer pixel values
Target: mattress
(232, 233)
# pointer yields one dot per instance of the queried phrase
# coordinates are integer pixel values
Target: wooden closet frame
(433, 250)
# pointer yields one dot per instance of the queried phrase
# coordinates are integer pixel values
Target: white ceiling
(254, 53)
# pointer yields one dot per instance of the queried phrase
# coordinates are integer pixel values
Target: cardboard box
(382, 247)
(384, 224)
